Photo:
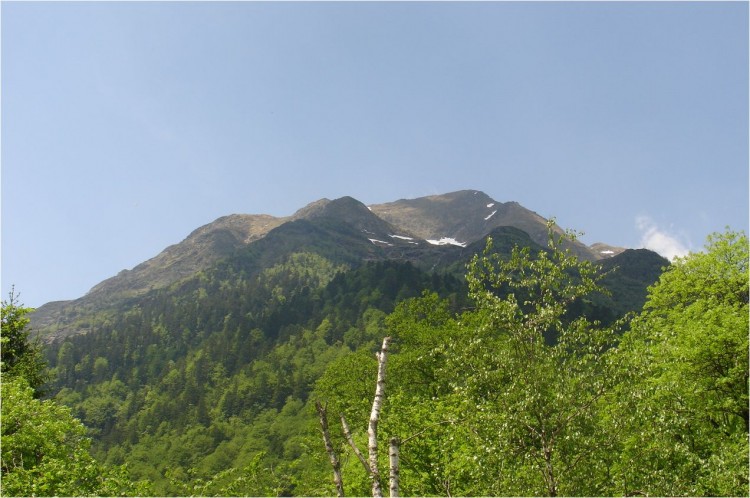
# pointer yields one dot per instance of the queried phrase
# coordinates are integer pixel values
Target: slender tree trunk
(350, 440)
(371, 466)
(329, 449)
(549, 472)
(372, 428)
(393, 466)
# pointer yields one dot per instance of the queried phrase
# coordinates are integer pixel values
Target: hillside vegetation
(513, 368)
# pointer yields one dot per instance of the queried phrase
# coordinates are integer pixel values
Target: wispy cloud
(659, 240)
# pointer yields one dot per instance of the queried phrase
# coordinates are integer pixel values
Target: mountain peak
(465, 216)
(352, 212)
(311, 209)
(344, 208)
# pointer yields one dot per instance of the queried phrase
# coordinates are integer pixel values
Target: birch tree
(371, 464)
(372, 426)
(517, 396)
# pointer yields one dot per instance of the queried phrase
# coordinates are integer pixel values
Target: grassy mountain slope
(201, 249)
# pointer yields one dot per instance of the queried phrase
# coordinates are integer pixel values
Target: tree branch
(417, 434)
(350, 440)
(329, 449)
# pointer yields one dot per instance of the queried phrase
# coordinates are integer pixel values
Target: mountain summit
(465, 217)
(432, 231)
(352, 212)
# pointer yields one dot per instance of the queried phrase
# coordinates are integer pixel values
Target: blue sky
(127, 125)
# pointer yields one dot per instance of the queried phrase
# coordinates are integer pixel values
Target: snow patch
(607, 252)
(445, 241)
(376, 241)
(407, 239)
(490, 204)
(490, 216)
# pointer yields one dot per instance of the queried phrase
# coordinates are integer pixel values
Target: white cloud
(659, 240)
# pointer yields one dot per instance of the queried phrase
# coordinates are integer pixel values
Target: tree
(45, 451)
(370, 464)
(504, 398)
(532, 377)
(682, 407)
(423, 413)
(19, 356)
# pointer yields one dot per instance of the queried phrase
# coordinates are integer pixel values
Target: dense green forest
(532, 373)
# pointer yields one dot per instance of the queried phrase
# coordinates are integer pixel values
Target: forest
(531, 373)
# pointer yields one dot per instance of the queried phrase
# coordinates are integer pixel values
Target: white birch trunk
(372, 428)
(329, 449)
(393, 449)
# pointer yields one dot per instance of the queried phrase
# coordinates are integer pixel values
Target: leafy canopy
(682, 407)
(19, 356)
(44, 449)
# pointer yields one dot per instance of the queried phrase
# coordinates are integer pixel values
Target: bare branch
(335, 464)
(350, 440)
(417, 434)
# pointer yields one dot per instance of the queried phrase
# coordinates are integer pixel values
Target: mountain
(202, 248)
(459, 217)
(199, 366)
(430, 232)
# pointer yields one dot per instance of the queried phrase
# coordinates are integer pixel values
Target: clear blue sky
(127, 125)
